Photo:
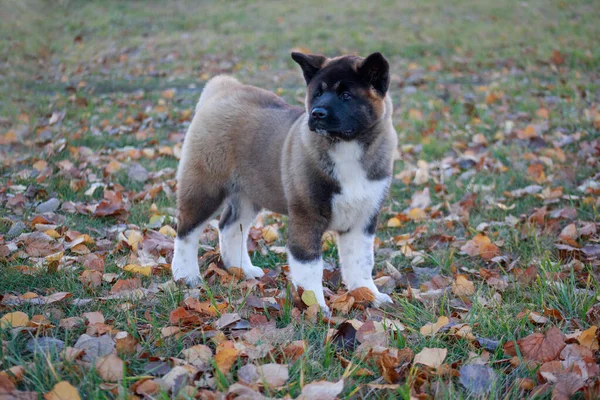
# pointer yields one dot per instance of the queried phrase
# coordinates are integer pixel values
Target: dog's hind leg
(234, 226)
(195, 205)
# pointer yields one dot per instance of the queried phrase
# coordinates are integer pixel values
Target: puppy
(327, 166)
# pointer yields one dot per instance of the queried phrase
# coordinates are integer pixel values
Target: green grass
(130, 52)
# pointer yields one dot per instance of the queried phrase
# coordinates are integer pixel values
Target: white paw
(188, 272)
(253, 272)
(381, 298)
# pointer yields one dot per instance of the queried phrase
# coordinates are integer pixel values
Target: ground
(488, 242)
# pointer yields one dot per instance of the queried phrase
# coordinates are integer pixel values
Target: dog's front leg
(356, 258)
(304, 253)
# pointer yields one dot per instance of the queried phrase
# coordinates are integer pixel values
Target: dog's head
(345, 95)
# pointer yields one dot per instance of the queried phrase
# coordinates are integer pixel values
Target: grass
(118, 58)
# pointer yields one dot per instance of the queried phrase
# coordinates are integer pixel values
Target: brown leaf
(462, 286)
(110, 368)
(62, 391)
(363, 295)
(112, 205)
(91, 278)
(536, 173)
(199, 356)
(538, 346)
(146, 388)
(180, 316)
(566, 385)
(126, 285)
(125, 343)
(294, 350)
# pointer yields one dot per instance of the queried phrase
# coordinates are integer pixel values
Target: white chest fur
(360, 197)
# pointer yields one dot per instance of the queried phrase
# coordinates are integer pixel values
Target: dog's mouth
(335, 132)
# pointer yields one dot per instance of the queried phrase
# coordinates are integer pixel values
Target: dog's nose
(318, 113)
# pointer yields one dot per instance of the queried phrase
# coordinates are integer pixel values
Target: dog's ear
(310, 64)
(376, 70)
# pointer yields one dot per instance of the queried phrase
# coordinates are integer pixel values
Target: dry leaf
(110, 367)
(321, 390)
(62, 391)
(538, 346)
(14, 320)
(431, 357)
(138, 269)
(431, 328)
(225, 358)
(462, 286)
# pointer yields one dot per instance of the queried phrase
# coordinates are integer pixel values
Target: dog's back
(231, 121)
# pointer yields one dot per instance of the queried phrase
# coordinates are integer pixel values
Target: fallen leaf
(225, 358)
(363, 295)
(431, 328)
(309, 298)
(126, 285)
(431, 357)
(589, 339)
(273, 375)
(62, 391)
(199, 356)
(539, 346)
(462, 286)
(138, 269)
(477, 379)
(566, 386)
(321, 390)
(14, 320)
(110, 367)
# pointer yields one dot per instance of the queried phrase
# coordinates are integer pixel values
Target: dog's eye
(346, 96)
(319, 93)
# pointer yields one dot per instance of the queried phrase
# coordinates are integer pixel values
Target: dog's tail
(218, 84)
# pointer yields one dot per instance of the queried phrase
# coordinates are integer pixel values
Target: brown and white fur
(327, 169)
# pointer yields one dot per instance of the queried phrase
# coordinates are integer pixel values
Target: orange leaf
(225, 358)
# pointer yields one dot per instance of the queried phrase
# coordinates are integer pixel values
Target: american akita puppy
(328, 167)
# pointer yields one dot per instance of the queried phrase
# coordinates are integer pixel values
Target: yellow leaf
(588, 338)
(156, 219)
(416, 214)
(134, 238)
(394, 223)
(52, 233)
(55, 257)
(309, 298)
(270, 234)
(14, 319)
(167, 231)
(431, 328)
(138, 269)
(63, 391)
